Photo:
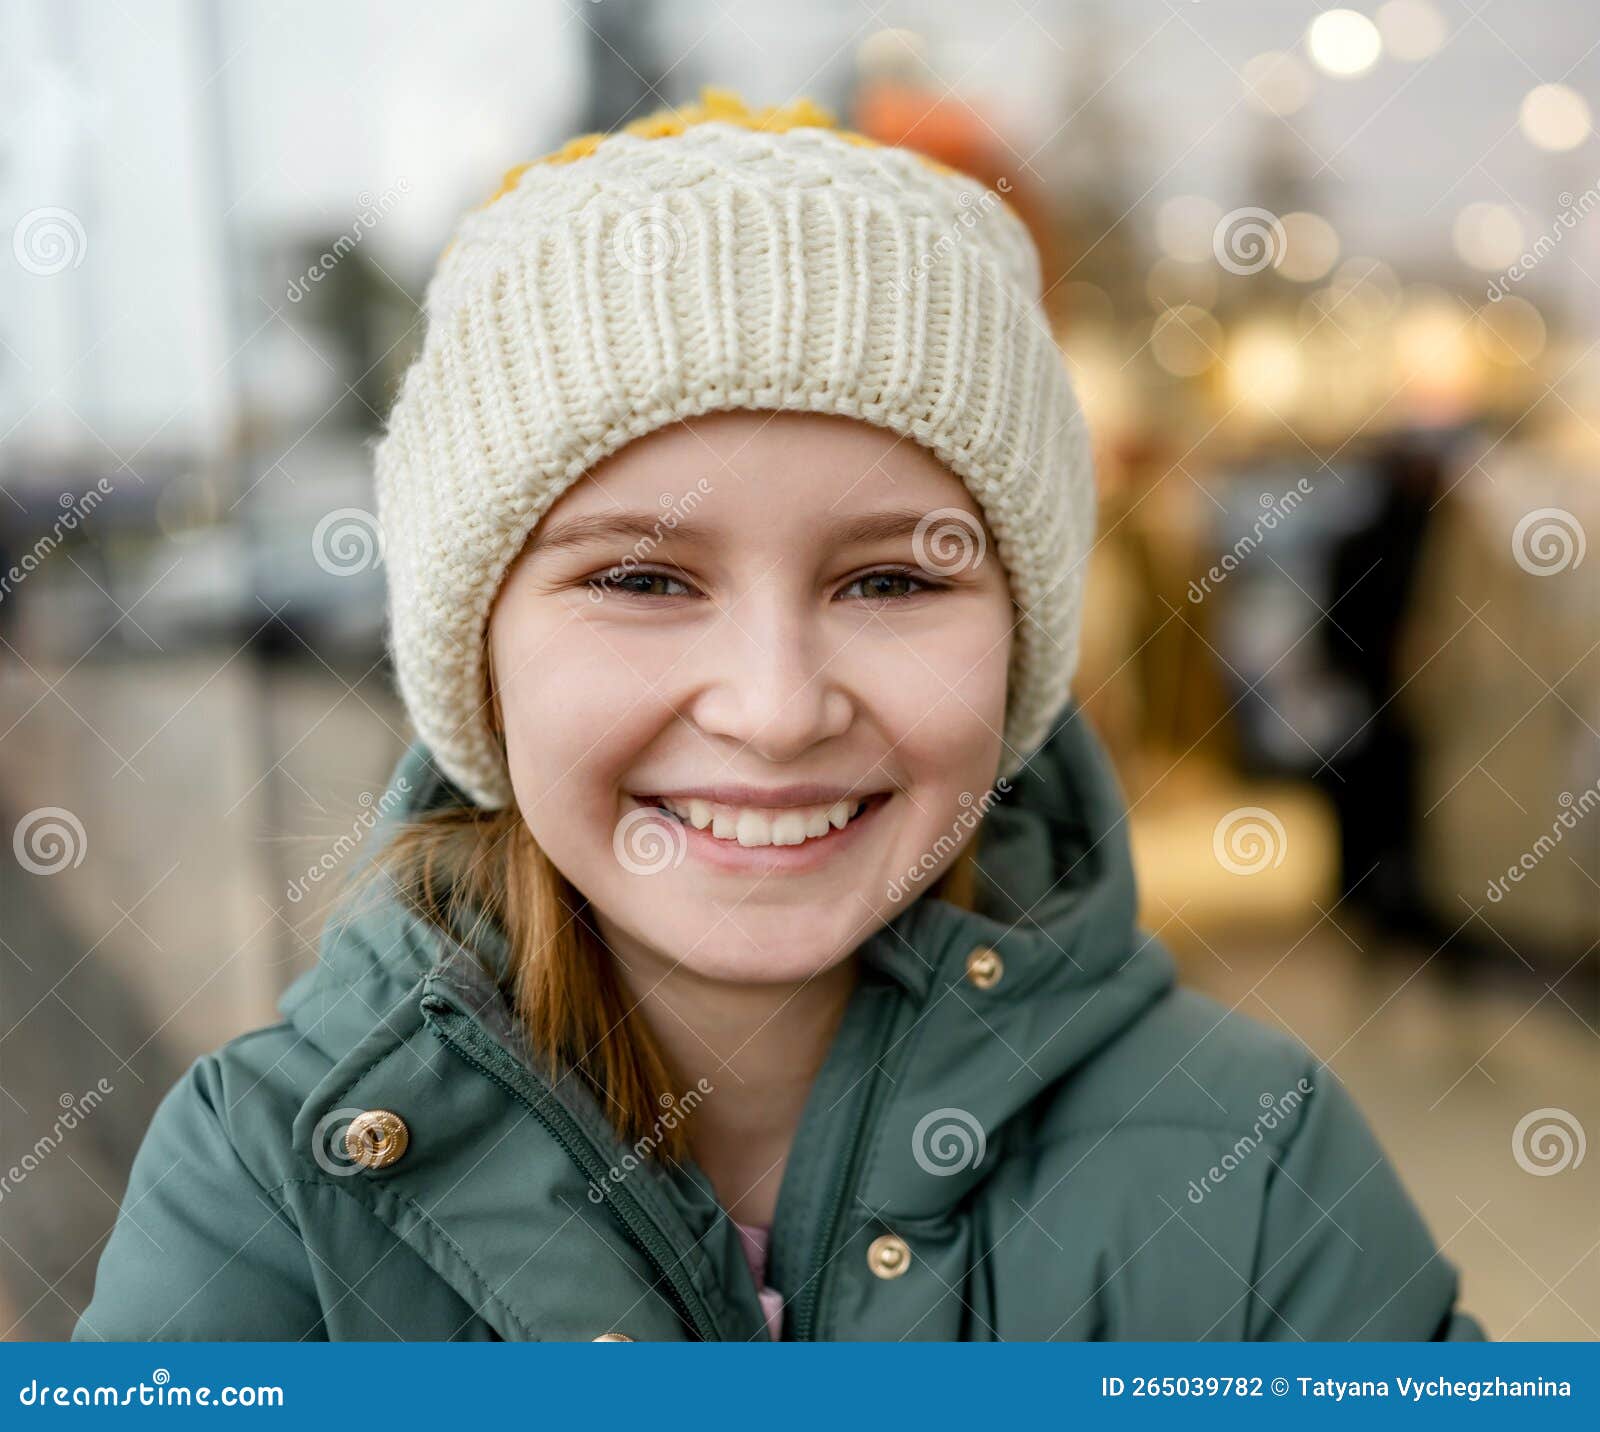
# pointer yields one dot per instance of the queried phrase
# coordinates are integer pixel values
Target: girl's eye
(885, 586)
(635, 584)
(889, 586)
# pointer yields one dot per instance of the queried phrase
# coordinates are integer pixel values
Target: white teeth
(750, 827)
(787, 829)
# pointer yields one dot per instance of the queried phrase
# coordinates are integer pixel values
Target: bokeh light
(1344, 43)
(1555, 117)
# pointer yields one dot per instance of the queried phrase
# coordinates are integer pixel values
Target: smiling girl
(754, 953)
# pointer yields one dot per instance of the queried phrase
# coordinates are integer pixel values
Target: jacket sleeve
(1343, 1253)
(200, 1249)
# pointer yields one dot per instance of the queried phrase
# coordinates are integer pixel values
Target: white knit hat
(762, 261)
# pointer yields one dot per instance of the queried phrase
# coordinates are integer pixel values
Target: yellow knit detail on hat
(723, 106)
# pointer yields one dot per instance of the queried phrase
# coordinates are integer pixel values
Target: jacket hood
(1057, 903)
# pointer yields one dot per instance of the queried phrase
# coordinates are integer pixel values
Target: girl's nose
(772, 689)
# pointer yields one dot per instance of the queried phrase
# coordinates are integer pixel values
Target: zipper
(489, 1057)
(805, 1302)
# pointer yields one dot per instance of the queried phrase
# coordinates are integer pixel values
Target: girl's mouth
(746, 839)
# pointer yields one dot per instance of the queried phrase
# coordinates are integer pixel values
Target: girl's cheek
(580, 713)
(960, 672)
(570, 672)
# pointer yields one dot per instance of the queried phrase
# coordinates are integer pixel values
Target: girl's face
(752, 671)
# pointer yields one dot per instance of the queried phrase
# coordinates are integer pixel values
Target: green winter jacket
(1077, 1149)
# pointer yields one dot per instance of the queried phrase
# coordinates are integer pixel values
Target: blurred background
(1328, 281)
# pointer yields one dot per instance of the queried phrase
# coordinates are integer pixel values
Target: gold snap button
(612, 1337)
(376, 1138)
(889, 1255)
(984, 967)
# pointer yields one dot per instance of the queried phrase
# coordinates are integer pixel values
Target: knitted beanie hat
(712, 258)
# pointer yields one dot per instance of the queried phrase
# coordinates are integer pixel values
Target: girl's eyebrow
(880, 526)
(607, 526)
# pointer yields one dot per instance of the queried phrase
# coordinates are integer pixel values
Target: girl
(735, 514)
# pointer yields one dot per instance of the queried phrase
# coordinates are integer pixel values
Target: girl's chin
(745, 943)
(756, 962)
